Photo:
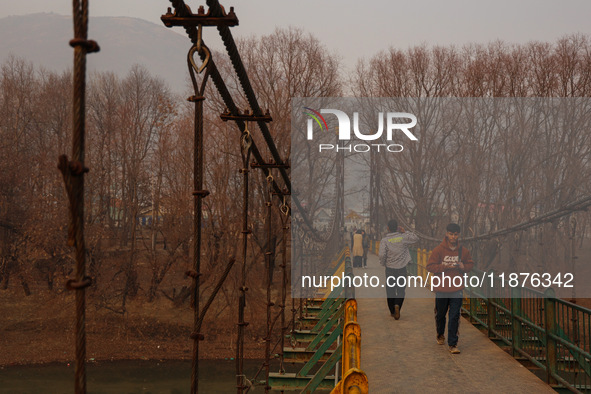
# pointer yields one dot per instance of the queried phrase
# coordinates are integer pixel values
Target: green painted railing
(551, 333)
(322, 328)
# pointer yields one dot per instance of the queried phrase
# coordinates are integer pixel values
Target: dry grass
(40, 329)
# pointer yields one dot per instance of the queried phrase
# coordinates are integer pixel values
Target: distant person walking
(365, 244)
(394, 255)
(451, 259)
(357, 251)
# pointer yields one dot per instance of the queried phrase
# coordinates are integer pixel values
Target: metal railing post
(515, 321)
(491, 309)
(550, 332)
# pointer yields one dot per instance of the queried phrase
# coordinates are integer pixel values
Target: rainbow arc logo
(316, 116)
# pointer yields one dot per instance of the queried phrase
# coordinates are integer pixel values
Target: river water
(127, 377)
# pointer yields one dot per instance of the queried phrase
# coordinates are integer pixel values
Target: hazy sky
(354, 30)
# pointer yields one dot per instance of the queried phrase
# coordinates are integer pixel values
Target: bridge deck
(402, 356)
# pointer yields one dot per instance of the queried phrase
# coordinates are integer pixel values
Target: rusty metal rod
(268, 274)
(240, 378)
(199, 194)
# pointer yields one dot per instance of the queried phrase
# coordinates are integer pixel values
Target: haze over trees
(492, 174)
(138, 193)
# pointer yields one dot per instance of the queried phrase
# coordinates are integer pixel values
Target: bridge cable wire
(271, 321)
(246, 145)
(198, 193)
(565, 210)
(216, 10)
(285, 227)
(269, 279)
(230, 46)
(182, 9)
(73, 174)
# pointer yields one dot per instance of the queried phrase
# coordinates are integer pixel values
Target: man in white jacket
(394, 255)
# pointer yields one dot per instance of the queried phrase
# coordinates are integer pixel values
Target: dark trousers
(357, 261)
(451, 302)
(394, 292)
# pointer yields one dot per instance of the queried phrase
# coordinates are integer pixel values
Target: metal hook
(199, 39)
(246, 141)
(573, 225)
(198, 48)
(284, 208)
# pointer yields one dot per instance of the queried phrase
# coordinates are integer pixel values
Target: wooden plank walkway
(402, 356)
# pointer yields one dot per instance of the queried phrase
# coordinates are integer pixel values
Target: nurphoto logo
(395, 121)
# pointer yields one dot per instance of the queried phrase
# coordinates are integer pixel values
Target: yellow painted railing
(422, 257)
(354, 379)
(338, 268)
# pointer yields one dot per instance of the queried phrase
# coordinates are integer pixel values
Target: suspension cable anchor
(193, 274)
(201, 193)
(194, 99)
(247, 116)
(284, 192)
(197, 336)
(205, 53)
(269, 164)
(185, 18)
(73, 284)
(91, 46)
(75, 168)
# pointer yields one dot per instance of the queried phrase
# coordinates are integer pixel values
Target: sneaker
(454, 350)
(396, 312)
(440, 339)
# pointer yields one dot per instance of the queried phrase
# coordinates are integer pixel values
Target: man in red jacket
(445, 263)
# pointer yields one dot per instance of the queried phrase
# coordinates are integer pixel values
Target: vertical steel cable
(268, 275)
(284, 222)
(197, 184)
(245, 143)
(80, 13)
(73, 174)
(198, 194)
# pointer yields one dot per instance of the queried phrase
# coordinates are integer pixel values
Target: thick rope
(80, 13)
(73, 174)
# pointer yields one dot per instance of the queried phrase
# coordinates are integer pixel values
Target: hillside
(43, 40)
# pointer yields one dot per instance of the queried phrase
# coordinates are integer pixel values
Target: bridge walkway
(402, 356)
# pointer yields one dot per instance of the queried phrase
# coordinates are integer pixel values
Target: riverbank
(39, 329)
(125, 377)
